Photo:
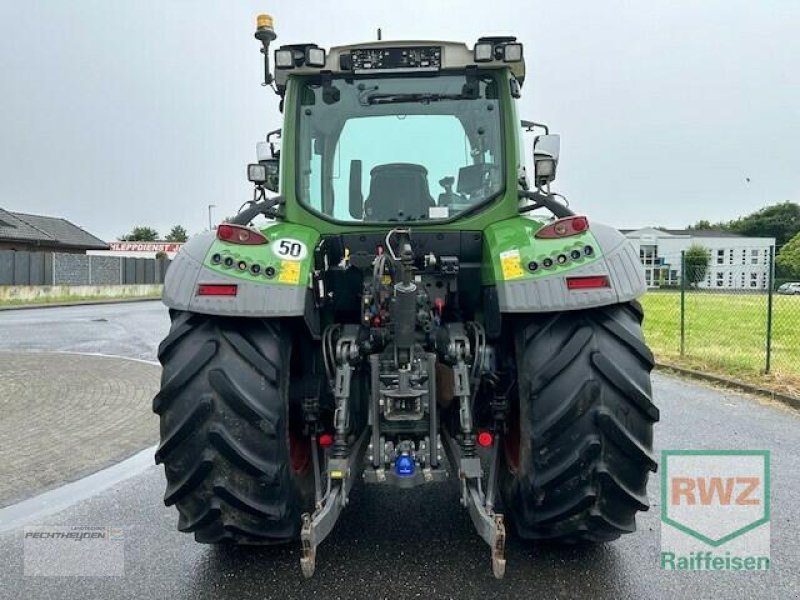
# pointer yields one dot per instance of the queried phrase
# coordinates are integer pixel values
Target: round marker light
(325, 440)
(485, 439)
(404, 465)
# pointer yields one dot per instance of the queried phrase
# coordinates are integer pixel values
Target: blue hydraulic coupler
(404, 465)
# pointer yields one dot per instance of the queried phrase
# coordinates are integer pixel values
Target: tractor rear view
(415, 307)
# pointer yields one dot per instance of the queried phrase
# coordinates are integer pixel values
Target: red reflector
(485, 439)
(563, 228)
(325, 440)
(216, 289)
(238, 234)
(587, 283)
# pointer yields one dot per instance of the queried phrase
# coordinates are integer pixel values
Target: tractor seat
(398, 192)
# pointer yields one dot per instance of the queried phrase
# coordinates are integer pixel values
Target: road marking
(131, 358)
(61, 498)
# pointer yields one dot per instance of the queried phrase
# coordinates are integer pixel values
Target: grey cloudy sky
(119, 113)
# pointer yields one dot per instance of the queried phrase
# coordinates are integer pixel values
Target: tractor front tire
(580, 444)
(225, 441)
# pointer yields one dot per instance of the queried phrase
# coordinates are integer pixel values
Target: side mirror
(356, 196)
(545, 158)
(268, 176)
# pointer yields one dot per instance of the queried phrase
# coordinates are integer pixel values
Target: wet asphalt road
(405, 544)
(131, 329)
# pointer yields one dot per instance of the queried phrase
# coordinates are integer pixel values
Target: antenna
(379, 34)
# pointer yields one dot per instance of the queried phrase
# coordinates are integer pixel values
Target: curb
(790, 401)
(78, 303)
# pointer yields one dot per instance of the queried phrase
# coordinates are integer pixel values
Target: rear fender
(517, 267)
(278, 286)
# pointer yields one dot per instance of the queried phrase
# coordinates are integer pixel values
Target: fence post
(770, 285)
(683, 301)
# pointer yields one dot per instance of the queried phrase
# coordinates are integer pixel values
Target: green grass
(727, 333)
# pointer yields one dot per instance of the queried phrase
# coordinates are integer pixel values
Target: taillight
(216, 289)
(239, 234)
(588, 282)
(563, 228)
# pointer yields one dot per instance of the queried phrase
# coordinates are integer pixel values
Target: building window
(753, 280)
(720, 279)
(754, 257)
(720, 257)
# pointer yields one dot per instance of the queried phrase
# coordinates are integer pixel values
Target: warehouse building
(735, 261)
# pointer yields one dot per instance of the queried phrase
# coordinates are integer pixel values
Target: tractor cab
(396, 132)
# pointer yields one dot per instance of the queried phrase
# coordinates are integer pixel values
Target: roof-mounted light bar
(489, 49)
(289, 57)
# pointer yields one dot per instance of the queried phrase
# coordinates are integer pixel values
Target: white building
(736, 262)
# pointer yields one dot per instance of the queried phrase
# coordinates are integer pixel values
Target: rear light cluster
(563, 228)
(239, 234)
(561, 259)
(255, 269)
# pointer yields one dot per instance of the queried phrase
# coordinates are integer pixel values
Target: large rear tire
(580, 445)
(225, 430)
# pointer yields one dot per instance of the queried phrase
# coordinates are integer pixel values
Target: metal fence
(55, 268)
(729, 315)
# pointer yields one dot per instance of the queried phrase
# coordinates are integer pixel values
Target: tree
(704, 224)
(177, 234)
(141, 233)
(696, 261)
(781, 221)
(787, 263)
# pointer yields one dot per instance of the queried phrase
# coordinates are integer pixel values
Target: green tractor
(415, 307)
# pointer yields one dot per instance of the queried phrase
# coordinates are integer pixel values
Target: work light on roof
(483, 52)
(512, 52)
(315, 57)
(284, 59)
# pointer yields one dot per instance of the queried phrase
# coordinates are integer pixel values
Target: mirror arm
(255, 209)
(530, 125)
(547, 201)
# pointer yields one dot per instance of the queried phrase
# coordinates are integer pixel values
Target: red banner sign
(169, 247)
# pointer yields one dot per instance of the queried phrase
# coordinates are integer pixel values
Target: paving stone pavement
(64, 416)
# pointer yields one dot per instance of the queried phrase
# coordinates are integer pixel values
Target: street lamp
(210, 224)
